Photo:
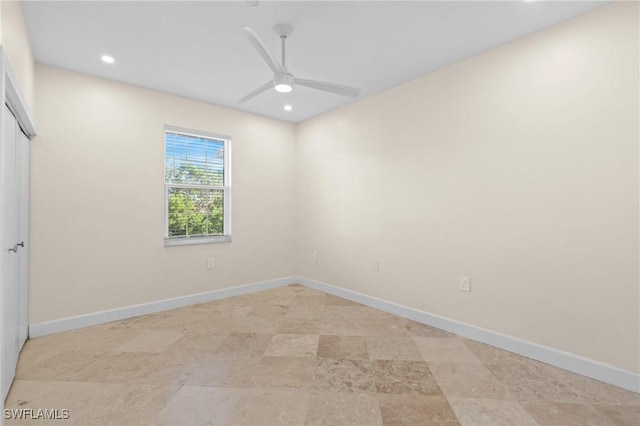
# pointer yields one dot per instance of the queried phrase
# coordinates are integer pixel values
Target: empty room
(263, 213)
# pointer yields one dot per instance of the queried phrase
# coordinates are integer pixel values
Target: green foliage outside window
(195, 212)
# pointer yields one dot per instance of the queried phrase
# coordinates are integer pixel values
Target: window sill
(170, 242)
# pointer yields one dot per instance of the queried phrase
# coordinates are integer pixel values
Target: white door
(22, 160)
(14, 157)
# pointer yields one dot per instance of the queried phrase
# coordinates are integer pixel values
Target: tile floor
(296, 356)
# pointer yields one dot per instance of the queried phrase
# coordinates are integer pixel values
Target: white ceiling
(199, 50)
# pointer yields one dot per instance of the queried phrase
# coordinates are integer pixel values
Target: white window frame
(226, 188)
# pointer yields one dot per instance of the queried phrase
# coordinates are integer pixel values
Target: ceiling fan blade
(257, 42)
(329, 87)
(268, 85)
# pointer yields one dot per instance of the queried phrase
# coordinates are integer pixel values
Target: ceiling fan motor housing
(283, 82)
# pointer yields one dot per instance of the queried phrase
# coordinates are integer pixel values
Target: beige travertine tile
(472, 380)
(213, 324)
(116, 367)
(376, 315)
(399, 377)
(305, 345)
(128, 404)
(492, 355)
(247, 302)
(271, 407)
(343, 375)
(304, 311)
(91, 403)
(197, 342)
(153, 341)
(245, 343)
(268, 312)
(444, 349)
(216, 406)
(379, 328)
(354, 313)
(168, 367)
(593, 391)
(30, 358)
(63, 366)
(416, 409)
(140, 367)
(338, 327)
(563, 414)
(284, 372)
(301, 326)
(238, 308)
(78, 398)
(422, 330)
(309, 299)
(396, 348)
(354, 409)
(343, 347)
(621, 414)
(253, 324)
(231, 370)
(237, 370)
(528, 381)
(490, 412)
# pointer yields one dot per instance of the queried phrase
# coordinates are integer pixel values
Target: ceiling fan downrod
(283, 38)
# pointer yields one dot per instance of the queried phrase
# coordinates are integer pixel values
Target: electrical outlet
(465, 283)
(211, 263)
(315, 256)
(375, 266)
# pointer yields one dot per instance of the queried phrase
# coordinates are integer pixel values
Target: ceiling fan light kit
(283, 81)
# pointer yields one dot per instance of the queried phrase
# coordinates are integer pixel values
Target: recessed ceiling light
(288, 107)
(108, 59)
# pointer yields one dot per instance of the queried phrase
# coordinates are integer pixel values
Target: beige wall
(15, 44)
(98, 198)
(518, 167)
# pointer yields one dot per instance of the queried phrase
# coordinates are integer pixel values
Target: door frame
(11, 95)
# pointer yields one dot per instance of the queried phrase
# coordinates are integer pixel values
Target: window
(197, 177)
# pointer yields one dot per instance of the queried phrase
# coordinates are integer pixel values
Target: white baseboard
(86, 320)
(565, 360)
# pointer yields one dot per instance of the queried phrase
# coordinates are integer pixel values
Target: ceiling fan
(283, 81)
